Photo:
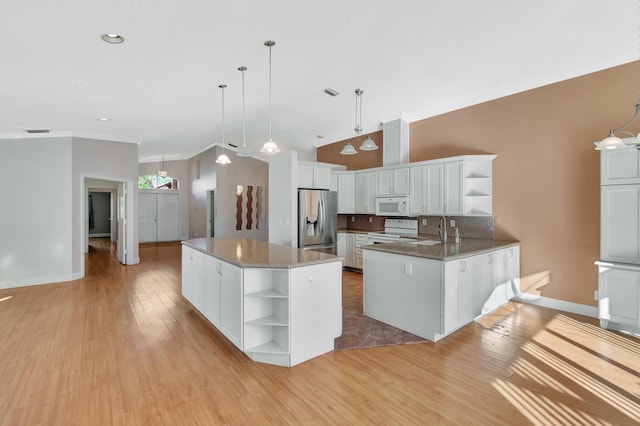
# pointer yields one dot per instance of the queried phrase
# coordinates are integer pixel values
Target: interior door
(122, 223)
(168, 217)
(147, 217)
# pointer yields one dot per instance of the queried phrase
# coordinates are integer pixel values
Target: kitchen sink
(426, 243)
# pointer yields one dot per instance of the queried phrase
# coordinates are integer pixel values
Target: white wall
(283, 203)
(179, 170)
(106, 160)
(36, 214)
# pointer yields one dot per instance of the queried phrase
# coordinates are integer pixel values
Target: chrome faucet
(442, 229)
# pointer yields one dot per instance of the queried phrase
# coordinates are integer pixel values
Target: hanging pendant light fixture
(163, 172)
(222, 158)
(270, 146)
(243, 151)
(367, 145)
(614, 142)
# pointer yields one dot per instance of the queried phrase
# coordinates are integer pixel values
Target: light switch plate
(453, 223)
(424, 222)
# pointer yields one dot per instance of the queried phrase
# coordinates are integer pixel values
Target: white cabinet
(459, 296)
(342, 245)
(393, 182)
(291, 315)
(619, 296)
(620, 223)
(350, 254)
(158, 217)
(346, 193)
(193, 279)
(211, 303)
(361, 240)
(231, 302)
(468, 186)
(433, 298)
(427, 190)
(366, 192)
(619, 167)
(313, 176)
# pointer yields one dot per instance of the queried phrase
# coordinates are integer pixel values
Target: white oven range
(394, 230)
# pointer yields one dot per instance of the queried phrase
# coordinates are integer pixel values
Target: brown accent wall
(546, 190)
(362, 160)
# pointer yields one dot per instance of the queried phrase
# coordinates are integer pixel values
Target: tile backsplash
(468, 226)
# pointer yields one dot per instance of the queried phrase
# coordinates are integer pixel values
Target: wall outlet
(595, 295)
(408, 269)
(370, 219)
(453, 223)
(424, 222)
(353, 218)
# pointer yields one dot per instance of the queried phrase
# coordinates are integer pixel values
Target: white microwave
(395, 205)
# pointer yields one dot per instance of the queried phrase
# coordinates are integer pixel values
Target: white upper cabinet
(346, 193)
(453, 197)
(620, 167)
(393, 182)
(427, 190)
(366, 192)
(313, 176)
(468, 186)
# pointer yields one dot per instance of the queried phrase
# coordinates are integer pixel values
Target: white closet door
(168, 215)
(146, 217)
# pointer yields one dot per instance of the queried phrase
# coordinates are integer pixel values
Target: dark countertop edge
(396, 248)
(262, 265)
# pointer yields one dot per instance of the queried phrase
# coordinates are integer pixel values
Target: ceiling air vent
(37, 130)
(329, 91)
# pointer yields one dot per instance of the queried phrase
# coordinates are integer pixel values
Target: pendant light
(243, 151)
(614, 142)
(368, 144)
(222, 158)
(163, 173)
(270, 146)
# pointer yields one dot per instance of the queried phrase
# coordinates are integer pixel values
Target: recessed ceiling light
(320, 136)
(112, 38)
(329, 91)
(104, 119)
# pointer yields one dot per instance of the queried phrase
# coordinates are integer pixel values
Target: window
(157, 182)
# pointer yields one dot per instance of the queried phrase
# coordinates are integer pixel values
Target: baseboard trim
(100, 235)
(561, 305)
(38, 281)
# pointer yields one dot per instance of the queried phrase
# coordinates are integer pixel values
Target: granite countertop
(247, 253)
(355, 231)
(449, 251)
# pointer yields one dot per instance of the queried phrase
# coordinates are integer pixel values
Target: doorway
(211, 213)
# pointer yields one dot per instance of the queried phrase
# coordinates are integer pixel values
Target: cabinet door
(231, 303)
(342, 245)
(168, 215)
(346, 193)
(187, 273)
(322, 177)
(212, 290)
(350, 258)
(458, 304)
(193, 276)
(146, 217)
(453, 195)
(385, 182)
(434, 189)
(620, 220)
(619, 296)
(620, 167)
(488, 293)
(361, 193)
(418, 195)
(401, 181)
(305, 176)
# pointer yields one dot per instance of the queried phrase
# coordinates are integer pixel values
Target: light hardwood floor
(121, 346)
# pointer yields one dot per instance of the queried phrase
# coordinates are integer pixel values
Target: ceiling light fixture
(222, 158)
(243, 151)
(162, 171)
(112, 38)
(104, 119)
(368, 144)
(270, 146)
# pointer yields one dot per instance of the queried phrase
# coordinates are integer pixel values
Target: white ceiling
(413, 58)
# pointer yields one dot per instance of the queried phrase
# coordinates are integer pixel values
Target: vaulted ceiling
(413, 59)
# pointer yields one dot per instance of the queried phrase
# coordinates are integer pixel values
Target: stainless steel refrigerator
(318, 220)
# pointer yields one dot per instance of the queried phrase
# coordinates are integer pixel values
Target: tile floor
(359, 331)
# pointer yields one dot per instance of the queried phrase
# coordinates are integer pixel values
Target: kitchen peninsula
(431, 289)
(279, 305)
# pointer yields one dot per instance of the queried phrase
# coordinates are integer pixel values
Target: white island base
(281, 306)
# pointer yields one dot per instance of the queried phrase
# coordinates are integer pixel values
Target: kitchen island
(431, 289)
(279, 305)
